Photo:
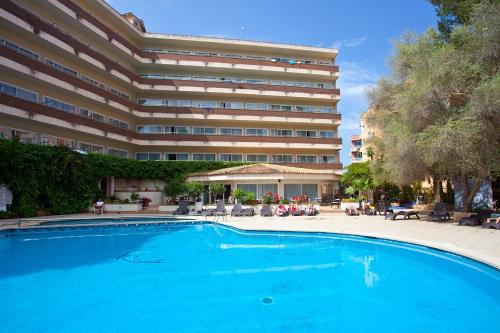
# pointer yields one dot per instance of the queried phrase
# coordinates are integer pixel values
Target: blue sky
(362, 30)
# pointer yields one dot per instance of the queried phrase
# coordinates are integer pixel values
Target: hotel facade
(80, 74)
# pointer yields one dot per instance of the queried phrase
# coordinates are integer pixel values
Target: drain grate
(267, 300)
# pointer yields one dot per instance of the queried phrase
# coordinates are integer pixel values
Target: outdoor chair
(351, 211)
(382, 207)
(266, 211)
(182, 209)
(439, 213)
(405, 214)
(493, 221)
(237, 210)
(476, 219)
(220, 209)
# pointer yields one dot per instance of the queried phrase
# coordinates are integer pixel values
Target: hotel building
(78, 73)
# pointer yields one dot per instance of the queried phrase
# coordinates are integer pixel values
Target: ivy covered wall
(56, 180)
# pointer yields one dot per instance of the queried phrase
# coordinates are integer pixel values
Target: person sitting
(311, 211)
(281, 210)
(99, 207)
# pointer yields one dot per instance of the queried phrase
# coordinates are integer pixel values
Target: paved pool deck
(475, 242)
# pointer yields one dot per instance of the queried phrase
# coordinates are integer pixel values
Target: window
(256, 131)
(151, 102)
(257, 106)
(309, 134)
(149, 129)
(148, 156)
(203, 157)
(281, 132)
(60, 67)
(18, 92)
(205, 130)
(306, 159)
(325, 109)
(259, 189)
(176, 129)
(204, 104)
(117, 123)
(179, 102)
(231, 105)
(177, 156)
(230, 131)
(230, 157)
(328, 159)
(50, 140)
(256, 158)
(118, 93)
(117, 153)
(293, 190)
(279, 107)
(92, 115)
(23, 136)
(281, 158)
(305, 108)
(19, 49)
(90, 148)
(54, 103)
(326, 134)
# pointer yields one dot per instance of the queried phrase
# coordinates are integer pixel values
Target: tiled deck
(474, 242)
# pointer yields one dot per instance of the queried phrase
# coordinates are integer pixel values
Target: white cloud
(351, 42)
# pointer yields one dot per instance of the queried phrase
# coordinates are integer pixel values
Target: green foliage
(173, 188)
(194, 189)
(355, 171)
(216, 188)
(134, 196)
(350, 190)
(438, 111)
(60, 181)
(453, 13)
(249, 198)
(239, 194)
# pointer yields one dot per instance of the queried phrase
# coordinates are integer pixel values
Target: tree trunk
(438, 187)
(468, 195)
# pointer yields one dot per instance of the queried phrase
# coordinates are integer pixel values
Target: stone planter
(458, 215)
(344, 205)
(131, 207)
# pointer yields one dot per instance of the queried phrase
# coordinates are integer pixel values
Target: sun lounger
(266, 211)
(405, 214)
(182, 209)
(381, 206)
(220, 209)
(492, 222)
(439, 213)
(476, 219)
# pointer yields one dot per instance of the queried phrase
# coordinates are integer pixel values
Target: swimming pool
(197, 277)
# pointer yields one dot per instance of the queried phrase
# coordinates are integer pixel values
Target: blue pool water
(201, 278)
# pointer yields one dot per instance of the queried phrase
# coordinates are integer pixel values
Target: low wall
(133, 207)
(156, 197)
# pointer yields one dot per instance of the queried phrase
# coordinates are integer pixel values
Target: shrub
(134, 196)
(194, 189)
(249, 198)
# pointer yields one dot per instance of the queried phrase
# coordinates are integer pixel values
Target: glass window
(256, 158)
(148, 156)
(230, 157)
(281, 158)
(256, 131)
(257, 106)
(263, 189)
(230, 131)
(279, 107)
(151, 102)
(293, 190)
(231, 105)
(176, 156)
(205, 130)
(176, 129)
(328, 159)
(326, 134)
(117, 153)
(204, 104)
(150, 129)
(179, 102)
(305, 108)
(309, 134)
(306, 159)
(18, 92)
(248, 188)
(117, 123)
(203, 157)
(92, 115)
(89, 148)
(325, 109)
(50, 140)
(281, 132)
(59, 104)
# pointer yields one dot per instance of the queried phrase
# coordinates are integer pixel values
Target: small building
(285, 181)
(356, 145)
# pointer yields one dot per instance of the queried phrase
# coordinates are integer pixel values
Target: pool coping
(241, 224)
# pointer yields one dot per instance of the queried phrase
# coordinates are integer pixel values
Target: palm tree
(370, 152)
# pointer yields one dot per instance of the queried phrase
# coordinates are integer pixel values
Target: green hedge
(57, 180)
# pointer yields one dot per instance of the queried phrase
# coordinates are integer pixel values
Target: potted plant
(194, 189)
(134, 196)
(172, 189)
(217, 189)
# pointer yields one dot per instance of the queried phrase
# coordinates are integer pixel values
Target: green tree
(453, 13)
(194, 189)
(355, 171)
(217, 189)
(438, 111)
(173, 188)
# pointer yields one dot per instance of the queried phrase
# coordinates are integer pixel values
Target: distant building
(361, 144)
(355, 147)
